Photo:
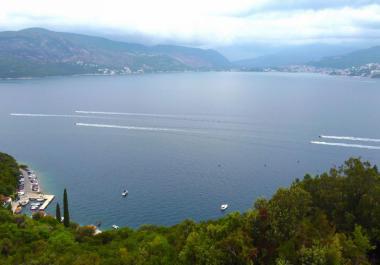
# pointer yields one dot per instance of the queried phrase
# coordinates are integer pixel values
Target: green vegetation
(9, 171)
(66, 214)
(332, 219)
(58, 213)
(38, 52)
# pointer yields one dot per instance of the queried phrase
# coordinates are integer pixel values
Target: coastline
(115, 74)
(30, 190)
(175, 72)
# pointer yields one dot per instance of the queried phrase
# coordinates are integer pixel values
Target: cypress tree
(66, 215)
(58, 213)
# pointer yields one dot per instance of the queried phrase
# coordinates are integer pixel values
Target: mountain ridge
(352, 59)
(295, 55)
(41, 52)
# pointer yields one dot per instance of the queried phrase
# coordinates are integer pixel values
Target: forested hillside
(40, 52)
(353, 59)
(8, 174)
(333, 218)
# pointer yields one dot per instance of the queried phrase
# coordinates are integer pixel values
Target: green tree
(58, 213)
(287, 208)
(66, 214)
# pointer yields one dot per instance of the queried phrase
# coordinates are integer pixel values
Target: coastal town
(371, 70)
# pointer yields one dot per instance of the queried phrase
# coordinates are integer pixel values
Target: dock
(48, 199)
(32, 195)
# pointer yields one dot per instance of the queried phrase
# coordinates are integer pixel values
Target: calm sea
(183, 144)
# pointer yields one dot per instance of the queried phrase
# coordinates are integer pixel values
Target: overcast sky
(208, 23)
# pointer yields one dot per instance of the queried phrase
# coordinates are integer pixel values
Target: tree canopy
(9, 171)
(332, 218)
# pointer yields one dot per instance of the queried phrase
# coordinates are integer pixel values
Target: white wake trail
(130, 114)
(136, 128)
(49, 115)
(197, 118)
(350, 138)
(347, 145)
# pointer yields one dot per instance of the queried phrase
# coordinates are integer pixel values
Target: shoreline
(176, 72)
(30, 190)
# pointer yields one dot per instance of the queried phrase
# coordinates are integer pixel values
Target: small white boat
(223, 207)
(34, 208)
(35, 204)
(40, 199)
(125, 193)
(115, 227)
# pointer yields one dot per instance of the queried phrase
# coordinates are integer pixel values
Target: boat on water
(34, 207)
(223, 207)
(124, 193)
(40, 199)
(115, 227)
(35, 204)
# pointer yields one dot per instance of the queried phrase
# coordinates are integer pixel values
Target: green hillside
(9, 172)
(333, 218)
(356, 58)
(40, 52)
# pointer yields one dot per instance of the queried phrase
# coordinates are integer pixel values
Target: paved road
(28, 184)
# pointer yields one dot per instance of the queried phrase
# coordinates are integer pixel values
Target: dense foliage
(66, 214)
(9, 171)
(333, 218)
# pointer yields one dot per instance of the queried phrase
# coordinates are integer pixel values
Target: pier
(31, 195)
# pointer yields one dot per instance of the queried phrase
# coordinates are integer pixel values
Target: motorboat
(223, 207)
(40, 199)
(125, 193)
(34, 207)
(115, 227)
(35, 204)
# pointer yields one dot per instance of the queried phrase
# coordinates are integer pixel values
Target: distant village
(109, 71)
(371, 70)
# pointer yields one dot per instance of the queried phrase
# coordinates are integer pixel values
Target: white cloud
(212, 22)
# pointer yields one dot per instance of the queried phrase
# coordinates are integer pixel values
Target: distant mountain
(353, 59)
(295, 55)
(40, 52)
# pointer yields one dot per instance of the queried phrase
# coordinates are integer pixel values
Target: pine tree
(66, 214)
(58, 213)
